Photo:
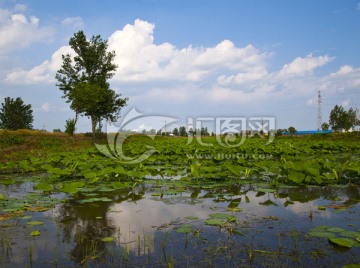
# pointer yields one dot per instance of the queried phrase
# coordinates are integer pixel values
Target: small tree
(279, 132)
(204, 131)
(192, 132)
(182, 132)
(175, 132)
(292, 130)
(70, 126)
(14, 114)
(325, 126)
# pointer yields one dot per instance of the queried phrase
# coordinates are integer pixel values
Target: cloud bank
(222, 73)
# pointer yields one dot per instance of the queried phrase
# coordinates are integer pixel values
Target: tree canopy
(292, 130)
(14, 114)
(84, 79)
(325, 126)
(340, 119)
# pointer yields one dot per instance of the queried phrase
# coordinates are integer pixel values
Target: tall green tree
(353, 118)
(340, 119)
(15, 114)
(84, 80)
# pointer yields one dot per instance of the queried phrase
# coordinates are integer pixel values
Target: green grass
(21, 144)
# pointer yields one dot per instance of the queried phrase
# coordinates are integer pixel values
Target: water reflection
(143, 222)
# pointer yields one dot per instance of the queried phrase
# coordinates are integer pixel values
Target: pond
(164, 223)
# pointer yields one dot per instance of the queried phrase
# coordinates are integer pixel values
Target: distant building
(309, 132)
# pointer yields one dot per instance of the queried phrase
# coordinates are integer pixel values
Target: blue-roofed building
(309, 132)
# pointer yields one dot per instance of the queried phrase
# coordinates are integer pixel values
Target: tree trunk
(93, 126)
(76, 117)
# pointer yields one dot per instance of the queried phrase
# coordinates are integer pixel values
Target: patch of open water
(153, 228)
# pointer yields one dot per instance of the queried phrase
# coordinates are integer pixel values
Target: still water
(159, 225)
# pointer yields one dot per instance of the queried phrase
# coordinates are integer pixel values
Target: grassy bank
(21, 144)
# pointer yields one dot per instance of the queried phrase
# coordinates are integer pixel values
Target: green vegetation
(23, 144)
(343, 120)
(287, 160)
(325, 126)
(213, 192)
(292, 130)
(70, 126)
(14, 114)
(84, 80)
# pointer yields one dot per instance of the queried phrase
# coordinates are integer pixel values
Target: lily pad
(95, 199)
(185, 228)
(223, 216)
(335, 229)
(351, 266)
(215, 222)
(108, 239)
(37, 209)
(266, 190)
(118, 185)
(234, 209)
(349, 234)
(7, 181)
(44, 186)
(106, 189)
(342, 242)
(73, 187)
(322, 234)
(35, 233)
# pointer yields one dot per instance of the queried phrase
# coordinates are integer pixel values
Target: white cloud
(43, 73)
(18, 31)
(139, 59)
(358, 6)
(301, 66)
(346, 78)
(222, 73)
(73, 22)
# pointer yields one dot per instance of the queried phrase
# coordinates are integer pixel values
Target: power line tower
(319, 119)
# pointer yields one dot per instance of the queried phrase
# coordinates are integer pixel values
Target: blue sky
(191, 58)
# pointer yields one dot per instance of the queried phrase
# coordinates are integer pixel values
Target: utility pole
(319, 119)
